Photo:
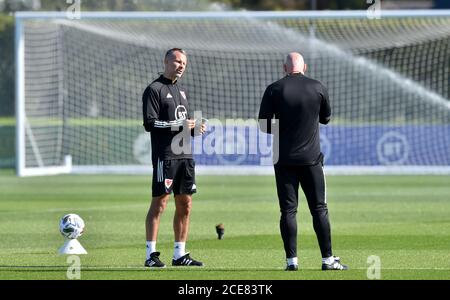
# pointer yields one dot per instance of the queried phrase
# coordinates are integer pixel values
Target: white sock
(179, 249)
(151, 247)
(328, 260)
(292, 261)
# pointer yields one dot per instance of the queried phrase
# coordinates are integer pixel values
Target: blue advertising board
(374, 145)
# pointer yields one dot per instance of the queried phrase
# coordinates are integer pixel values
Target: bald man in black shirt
(299, 103)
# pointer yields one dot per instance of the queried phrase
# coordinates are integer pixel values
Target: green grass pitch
(404, 220)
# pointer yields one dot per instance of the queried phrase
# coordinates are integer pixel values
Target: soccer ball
(71, 226)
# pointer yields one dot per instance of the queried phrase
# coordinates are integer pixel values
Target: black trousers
(312, 181)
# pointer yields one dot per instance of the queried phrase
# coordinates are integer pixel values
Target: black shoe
(291, 268)
(154, 262)
(220, 230)
(186, 260)
(335, 265)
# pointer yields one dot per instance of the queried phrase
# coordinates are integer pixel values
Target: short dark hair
(170, 51)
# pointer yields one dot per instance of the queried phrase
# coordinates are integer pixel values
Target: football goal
(79, 85)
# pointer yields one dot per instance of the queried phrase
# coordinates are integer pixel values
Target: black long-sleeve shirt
(299, 103)
(165, 107)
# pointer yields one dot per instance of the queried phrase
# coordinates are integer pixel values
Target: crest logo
(168, 183)
(180, 113)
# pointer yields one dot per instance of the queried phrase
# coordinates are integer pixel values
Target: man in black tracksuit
(166, 116)
(299, 103)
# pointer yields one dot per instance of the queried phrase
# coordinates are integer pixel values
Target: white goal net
(80, 84)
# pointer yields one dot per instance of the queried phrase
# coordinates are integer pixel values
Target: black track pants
(312, 181)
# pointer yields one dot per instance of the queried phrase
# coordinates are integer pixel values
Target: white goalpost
(79, 85)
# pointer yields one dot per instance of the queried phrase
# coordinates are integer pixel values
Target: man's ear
(305, 67)
(285, 68)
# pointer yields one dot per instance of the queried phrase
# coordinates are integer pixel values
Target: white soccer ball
(71, 226)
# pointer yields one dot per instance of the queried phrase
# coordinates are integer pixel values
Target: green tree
(295, 4)
(6, 65)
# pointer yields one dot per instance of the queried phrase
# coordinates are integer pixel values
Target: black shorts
(177, 175)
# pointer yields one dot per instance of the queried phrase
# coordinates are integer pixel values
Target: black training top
(165, 106)
(299, 103)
